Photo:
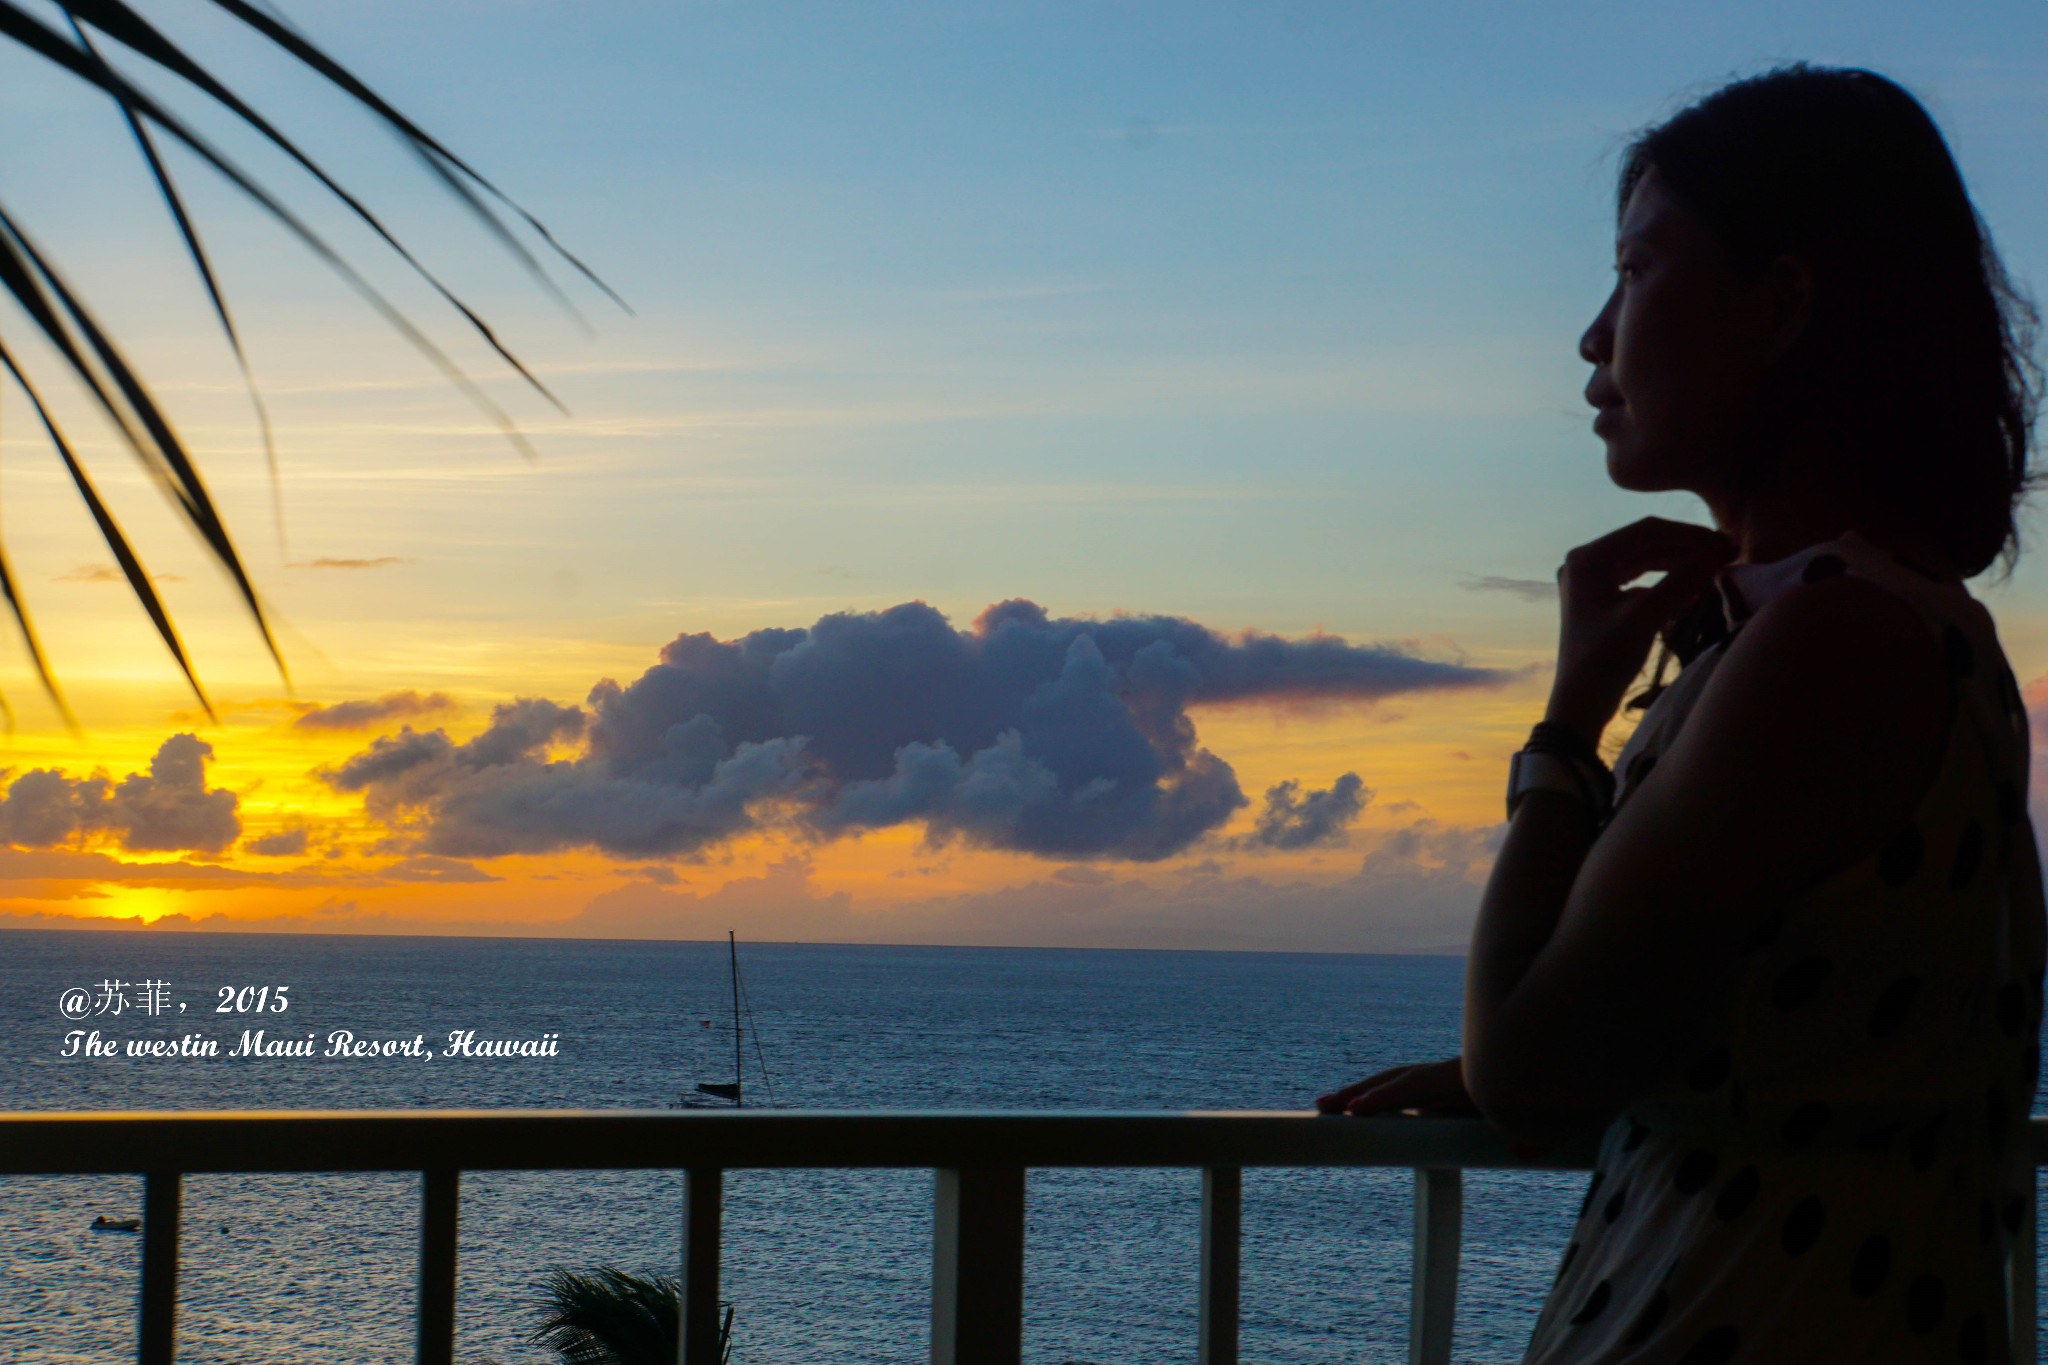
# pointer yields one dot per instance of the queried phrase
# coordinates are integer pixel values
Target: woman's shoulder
(1840, 640)
(1849, 618)
(1843, 655)
(1824, 722)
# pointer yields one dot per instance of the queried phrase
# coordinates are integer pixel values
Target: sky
(1071, 474)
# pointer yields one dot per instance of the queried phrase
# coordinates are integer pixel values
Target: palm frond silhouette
(94, 30)
(606, 1316)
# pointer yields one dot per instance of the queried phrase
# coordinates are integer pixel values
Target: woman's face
(1679, 351)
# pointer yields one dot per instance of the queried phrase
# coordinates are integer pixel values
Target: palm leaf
(196, 248)
(608, 1317)
(455, 173)
(91, 356)
(121, 23)
(124, 555)
(27, 275)
(17, 24)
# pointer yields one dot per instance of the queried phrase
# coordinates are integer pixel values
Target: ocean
(828, 1266)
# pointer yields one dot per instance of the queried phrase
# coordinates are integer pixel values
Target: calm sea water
(824, 1266)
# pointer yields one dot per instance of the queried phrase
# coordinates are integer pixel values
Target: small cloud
(361, 715)
(836, 571)
(1292, 820)
(1079, 875)
(1528, 589)
(329, 563)
(428, 868)
(286, 843)
(660, 876)
(107, 573)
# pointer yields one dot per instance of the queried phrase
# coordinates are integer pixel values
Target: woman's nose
(1596, 346)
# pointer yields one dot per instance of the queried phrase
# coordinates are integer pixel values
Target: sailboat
(719, 1088)
(709, 1093)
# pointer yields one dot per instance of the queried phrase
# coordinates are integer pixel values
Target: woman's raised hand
(1432, 1089)
(1607, 628)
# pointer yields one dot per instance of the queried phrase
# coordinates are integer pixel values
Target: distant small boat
(106, 1224)
(734, 1089)
(720, 1088)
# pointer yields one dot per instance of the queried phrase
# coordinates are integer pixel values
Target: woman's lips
(1605, 417)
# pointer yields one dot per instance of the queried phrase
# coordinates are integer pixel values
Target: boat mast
(738, 1062)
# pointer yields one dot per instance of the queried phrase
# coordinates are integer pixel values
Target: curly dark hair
(1917, 372)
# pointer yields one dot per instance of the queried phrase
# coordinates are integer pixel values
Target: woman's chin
(1636, 470)
(1637, 479)
(1628, 469)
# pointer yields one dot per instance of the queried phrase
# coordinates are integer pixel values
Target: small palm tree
(608, 1317)
(83, 348)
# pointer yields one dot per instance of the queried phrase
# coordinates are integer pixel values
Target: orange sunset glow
(1074, 516)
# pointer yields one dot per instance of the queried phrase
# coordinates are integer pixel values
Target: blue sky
(1271, 307)
(1261, 310)
(1265, 315)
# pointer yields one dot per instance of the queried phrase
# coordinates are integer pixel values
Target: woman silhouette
(1789, 951)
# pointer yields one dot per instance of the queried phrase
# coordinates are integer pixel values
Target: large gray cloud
(1062, 737)
(167, 809)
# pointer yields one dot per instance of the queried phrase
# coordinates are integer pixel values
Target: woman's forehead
(1654, 216)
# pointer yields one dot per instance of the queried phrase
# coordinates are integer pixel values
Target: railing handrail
(614, 1139)
(115, 1142)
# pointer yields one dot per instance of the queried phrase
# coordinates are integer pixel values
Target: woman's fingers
(1648, 545)
(1600, 569)
(1607, 628)
(1425, 1091)
(1336, 1100)
(1429, 1088)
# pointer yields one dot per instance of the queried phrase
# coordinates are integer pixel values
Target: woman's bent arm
(1597, 966)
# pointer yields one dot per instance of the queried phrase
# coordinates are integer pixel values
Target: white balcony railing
(979, 1158)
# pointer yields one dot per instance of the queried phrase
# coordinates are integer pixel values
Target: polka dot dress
(1839, 1176)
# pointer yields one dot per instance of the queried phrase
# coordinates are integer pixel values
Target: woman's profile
(1788, 951)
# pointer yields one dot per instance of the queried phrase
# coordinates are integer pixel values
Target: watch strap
(1530, 770)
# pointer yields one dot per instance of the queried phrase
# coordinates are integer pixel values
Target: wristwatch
(1530, 770)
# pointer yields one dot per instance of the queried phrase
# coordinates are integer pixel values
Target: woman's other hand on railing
(1430, 1089)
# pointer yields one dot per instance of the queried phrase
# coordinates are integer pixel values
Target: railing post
(1433, 1305)
(440, 1203)
(703, 1212)
(158, 1330)
(1221, 1203)
(2022, 1269)
(978, 1266)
